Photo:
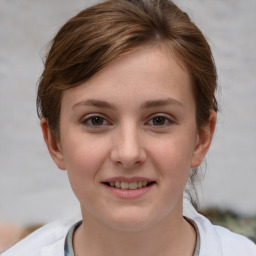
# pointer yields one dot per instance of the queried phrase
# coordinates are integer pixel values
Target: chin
(131, 221)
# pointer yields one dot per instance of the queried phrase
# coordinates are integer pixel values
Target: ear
(54, 148)
(204, 140)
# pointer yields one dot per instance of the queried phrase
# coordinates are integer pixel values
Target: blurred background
(33, 190)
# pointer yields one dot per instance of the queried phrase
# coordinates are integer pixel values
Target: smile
(129, 185)
(129, 188)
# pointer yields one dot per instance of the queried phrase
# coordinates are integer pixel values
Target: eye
(160, 121)
(95, 121)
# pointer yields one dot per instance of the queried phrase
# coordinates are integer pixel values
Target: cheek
(173, 156)
(83, 159)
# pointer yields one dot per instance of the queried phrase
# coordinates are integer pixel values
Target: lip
(128, 193)
(127, 179)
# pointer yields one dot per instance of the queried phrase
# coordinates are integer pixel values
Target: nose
(128, 150)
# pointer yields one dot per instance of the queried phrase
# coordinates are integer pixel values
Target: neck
(167, 237)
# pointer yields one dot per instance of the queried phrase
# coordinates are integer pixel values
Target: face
(128, 139)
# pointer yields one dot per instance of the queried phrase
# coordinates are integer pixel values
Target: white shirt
(214, 240)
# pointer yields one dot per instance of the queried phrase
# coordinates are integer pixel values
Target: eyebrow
(160, 103)
(95, 103)
(145, 105)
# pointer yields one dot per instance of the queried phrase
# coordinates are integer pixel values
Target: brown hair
(100, 34)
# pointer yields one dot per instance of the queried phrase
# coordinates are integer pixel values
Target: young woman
(127, 107)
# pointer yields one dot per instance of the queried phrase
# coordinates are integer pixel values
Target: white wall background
(33, 190)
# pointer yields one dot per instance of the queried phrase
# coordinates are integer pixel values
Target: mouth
(129, 185)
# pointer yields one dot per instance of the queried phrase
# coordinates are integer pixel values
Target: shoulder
(219, 241)
(234, 244)
(48, 240)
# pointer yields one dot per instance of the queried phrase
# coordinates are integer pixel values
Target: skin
(146, 128)
(9, 235)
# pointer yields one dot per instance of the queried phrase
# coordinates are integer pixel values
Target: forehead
(143, 74)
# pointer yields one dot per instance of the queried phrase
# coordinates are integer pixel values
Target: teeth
(144, 183)
(117, 184)
(128, 185)
(124, 185)
(133, 185)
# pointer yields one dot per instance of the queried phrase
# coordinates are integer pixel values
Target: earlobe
(53, 148)
(204, 140)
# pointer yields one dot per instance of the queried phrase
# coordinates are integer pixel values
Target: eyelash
(90, 121)
(161, 118)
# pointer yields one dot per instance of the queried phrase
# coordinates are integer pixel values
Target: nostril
(127, 157)
(118, 162)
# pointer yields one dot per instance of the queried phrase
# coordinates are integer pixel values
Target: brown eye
(159, 120)
(97, 120)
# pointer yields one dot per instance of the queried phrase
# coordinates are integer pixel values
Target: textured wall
(31, 187)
